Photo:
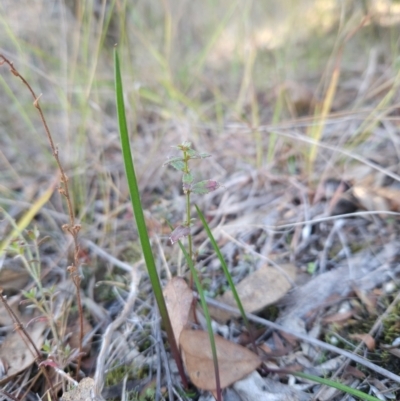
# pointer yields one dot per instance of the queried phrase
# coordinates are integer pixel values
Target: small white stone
(389, 287)
(333, 340)
(396, 342)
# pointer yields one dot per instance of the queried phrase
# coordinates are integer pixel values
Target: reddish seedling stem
(28, 341)
(72, 228)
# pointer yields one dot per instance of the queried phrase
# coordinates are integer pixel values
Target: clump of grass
(391, 324)
(116, 374)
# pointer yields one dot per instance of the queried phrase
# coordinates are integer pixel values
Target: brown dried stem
(8, 395)
(30, 344)
(72, 228)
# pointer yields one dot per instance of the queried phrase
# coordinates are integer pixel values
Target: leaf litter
(178, 298)
(272, 210)
(15, 355)
(234, 361)
(258, 290)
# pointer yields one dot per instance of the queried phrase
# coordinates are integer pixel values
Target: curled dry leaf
(258, 290)
(366, 338)
(234, 361)
(178, 298)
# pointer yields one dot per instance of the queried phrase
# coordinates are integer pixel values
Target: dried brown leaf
(370, 200)
(338, 317)
(16, 355)
(13, 279)
(353, 371)
(365, 338)
(392, 195)
(234, 361)
(178, 298)
(278, 343)
(368, 299)
(258, 290)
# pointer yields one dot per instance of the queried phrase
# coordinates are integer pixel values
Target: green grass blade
(337, 385)
(206, 315)
(139, 216)
(224, 268)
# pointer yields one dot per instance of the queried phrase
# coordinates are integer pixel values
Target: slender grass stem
(208, 320)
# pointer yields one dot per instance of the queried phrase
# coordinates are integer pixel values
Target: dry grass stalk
(72, 227)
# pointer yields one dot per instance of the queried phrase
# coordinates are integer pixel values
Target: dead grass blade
(101, 359)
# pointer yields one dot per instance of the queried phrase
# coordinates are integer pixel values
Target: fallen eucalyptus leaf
(178, 298)
(234, 361)
(16, 354)
(258, 290)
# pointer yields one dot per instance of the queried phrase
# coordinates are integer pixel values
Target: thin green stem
(228, 276)
(186, 159)
(188, 217)
(208, 320)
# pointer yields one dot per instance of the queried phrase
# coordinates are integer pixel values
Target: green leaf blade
(187, 178)
(178, 165)
(224, 267)
(204, 187)
(139, 215)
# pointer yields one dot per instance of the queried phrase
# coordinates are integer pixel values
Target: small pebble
(389, 287)
(396, 342)
(333, 340)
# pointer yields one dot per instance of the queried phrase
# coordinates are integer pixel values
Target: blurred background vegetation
(191, 69)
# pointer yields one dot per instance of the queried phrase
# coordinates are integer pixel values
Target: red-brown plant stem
(10, 396)
(28, 342)
(72, 227)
